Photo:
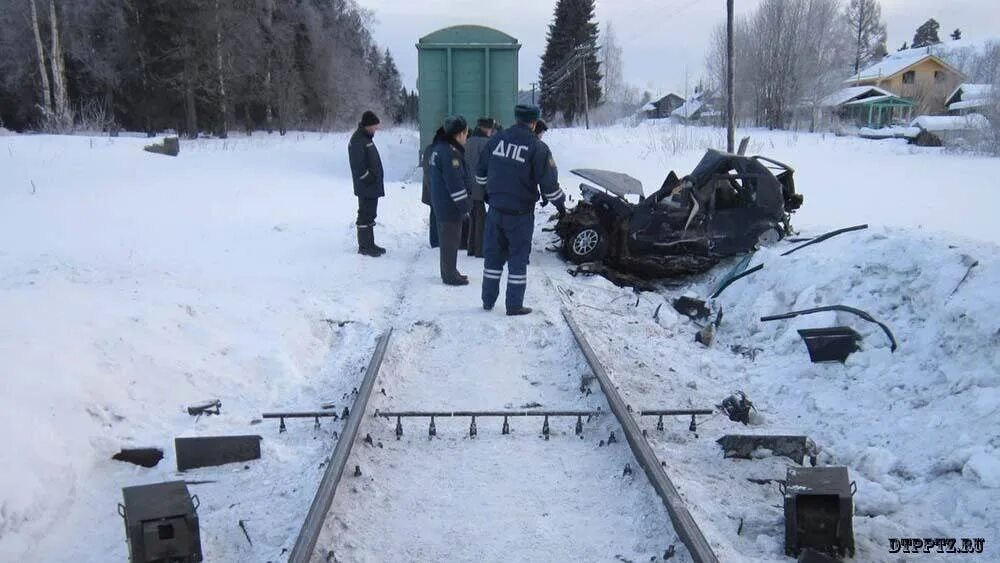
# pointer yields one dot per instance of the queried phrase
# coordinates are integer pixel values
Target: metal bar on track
(305, 544)
(303, 414)
(675, 412)
(684, 524)
(483, 414)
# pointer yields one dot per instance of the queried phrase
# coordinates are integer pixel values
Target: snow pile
(918, 427)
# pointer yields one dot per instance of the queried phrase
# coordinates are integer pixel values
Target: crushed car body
(729, 205)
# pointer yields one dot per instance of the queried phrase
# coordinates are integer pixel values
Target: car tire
(586, 243)
(768, 236)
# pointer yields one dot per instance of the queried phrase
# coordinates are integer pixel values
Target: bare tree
(789, 54)
(865, 20)
(63, 114)
(823, 54)
(612, 65)
(42, 72)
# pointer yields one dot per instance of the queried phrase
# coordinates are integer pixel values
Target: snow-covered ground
(133, 285)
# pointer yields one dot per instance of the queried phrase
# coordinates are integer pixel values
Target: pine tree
(390, 86)
(573, 28)
(927, 34)
(956, 35)
(904, 47)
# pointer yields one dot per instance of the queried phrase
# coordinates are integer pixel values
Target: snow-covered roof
(897, 62)
(688, 109)
(951, 122)
(844, 95)
(968, 93)
(649, 107)
(969, 104)
(883, 98)
(891, 65)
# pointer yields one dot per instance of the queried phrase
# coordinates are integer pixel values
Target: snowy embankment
(133, 285)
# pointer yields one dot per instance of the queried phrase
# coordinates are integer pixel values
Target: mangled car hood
(615, 182)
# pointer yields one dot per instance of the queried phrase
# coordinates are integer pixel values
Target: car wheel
(587, 243)
(768, 237)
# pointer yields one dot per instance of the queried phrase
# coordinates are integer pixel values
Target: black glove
(544, 202)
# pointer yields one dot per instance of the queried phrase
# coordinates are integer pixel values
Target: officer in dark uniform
(477, 217)
(449, 198)
(366, 171)
(425, 195)
(516, 168)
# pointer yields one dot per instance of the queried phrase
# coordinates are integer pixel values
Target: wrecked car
(729, 205)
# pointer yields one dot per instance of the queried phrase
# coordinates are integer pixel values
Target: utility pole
(533, 92)
(730, 78)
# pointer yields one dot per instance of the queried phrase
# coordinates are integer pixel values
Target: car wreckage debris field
(134, 285)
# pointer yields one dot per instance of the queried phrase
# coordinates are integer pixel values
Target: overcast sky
(662, 40)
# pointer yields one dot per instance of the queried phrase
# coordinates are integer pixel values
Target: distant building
(916, 75)
(969, 98)
(663, 107)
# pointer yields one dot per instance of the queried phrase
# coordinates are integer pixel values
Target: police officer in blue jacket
(449, 198)
(516, 168)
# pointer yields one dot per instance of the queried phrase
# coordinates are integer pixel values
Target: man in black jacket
(477, 217)
(366, 171)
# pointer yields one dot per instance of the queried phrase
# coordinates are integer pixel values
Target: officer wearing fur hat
(449, 198)
(366, 171)
(477, 218)
(516, 168)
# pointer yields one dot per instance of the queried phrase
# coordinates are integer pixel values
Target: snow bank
(918, 428)
(892, 417)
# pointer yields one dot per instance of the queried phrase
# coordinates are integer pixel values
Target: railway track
(392, 455)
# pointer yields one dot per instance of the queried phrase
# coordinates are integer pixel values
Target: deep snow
(132, 285)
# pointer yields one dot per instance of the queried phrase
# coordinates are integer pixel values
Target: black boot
(366, 242)
(448, 237)
(519, 311)
(377, 248)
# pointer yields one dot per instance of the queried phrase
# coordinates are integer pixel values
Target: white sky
(662, 40)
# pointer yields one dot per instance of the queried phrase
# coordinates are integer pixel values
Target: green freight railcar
(466, 70)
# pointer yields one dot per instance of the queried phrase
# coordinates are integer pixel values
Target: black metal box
(819, 510)
(161, 524)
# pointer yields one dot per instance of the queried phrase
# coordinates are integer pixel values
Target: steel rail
(305, 544)
(684, 523)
